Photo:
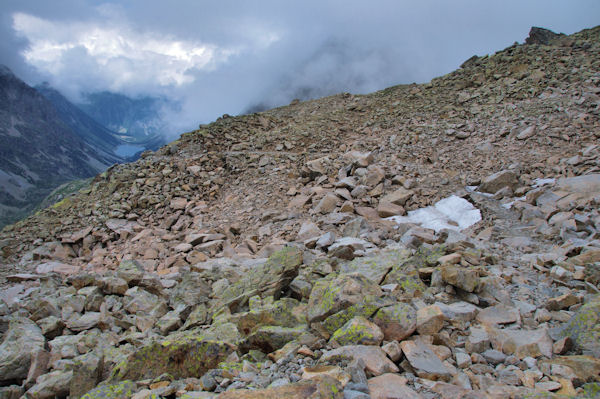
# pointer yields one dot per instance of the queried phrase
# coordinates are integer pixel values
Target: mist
(237, 57)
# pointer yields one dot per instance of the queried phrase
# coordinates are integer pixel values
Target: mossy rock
(406, 275)
(270, 338)
(180, 355)
(286, 312)
(337, 292)
(397, 322)
(367, 308)
(121, 390)
(358, 331)
(319, 387)
(375, 268)
(266, 280)
(584, 328)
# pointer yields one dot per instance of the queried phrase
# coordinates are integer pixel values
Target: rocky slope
(253, 258)
(39, 149)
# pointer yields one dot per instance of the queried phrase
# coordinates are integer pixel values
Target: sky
(217, 57)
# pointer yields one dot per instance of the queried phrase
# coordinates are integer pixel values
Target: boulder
(460, 277)
(398, 197)
(337, 292)
(52, 385)
(358, 331)
(424, 361)
(391, 386)
(397, 322)
(21, 342)
(180, 355)
(265, 280)
(375, 267)
(319, 387)
(498, 180)
(120, 390)
(375, 360)
(430, 320)
(583, 328)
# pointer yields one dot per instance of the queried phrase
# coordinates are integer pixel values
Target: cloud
(233, 56)
(113, 57)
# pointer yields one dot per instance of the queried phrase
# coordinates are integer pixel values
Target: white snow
(452, 213)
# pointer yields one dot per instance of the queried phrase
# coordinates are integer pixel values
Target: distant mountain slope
(38, 149)
(136, 121)
(85, 126)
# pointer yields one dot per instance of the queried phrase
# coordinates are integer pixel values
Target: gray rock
(424, 361)
(52, 385)
(504, 178)
(22, 340)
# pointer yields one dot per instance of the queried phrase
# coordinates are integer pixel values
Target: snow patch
(452, 213)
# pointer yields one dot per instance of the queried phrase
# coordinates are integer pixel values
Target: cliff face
(258, 250)
(39, 150)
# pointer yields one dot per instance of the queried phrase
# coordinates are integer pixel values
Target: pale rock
(522, 343)
(462, 360)
(461, 277)
(362, 159)
(425, 363)
(498, 180)
(52, 385)
(477, 341)
(391, 386)
(307, 231)
(375, 360)
(462, 311)
(526, 133)
(562, 302)
(387, 209)
(430, 320)
(499, 314)
(393, 350)
(398, 197)
(327, 204)
(178, 203)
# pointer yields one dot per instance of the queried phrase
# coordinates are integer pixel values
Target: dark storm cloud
(234, 56)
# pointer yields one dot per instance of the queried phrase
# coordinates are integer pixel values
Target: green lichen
(355, 332)
(122, 390)
(182, 356)
(584, 327)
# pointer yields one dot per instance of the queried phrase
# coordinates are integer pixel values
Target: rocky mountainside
(87, 128)
(39, 149)
(439, 240)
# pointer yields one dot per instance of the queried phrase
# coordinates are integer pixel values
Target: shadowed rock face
(542, 36)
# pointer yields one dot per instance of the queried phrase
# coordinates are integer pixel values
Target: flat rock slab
(424, 361)
(375, 268)
(391, 386)
(375, 359)
(499, 314)
(56, 267)
(319, 387)
(521, 343)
